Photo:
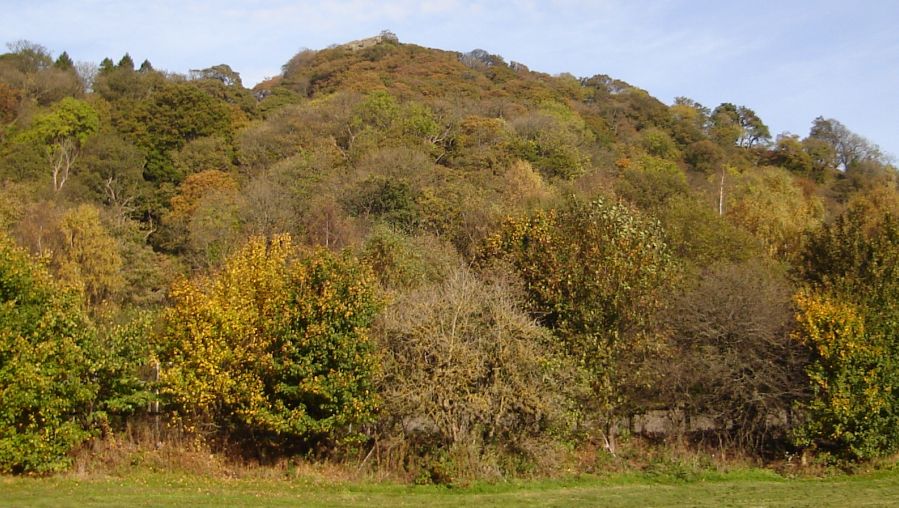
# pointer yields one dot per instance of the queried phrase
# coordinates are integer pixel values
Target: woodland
(440, 264)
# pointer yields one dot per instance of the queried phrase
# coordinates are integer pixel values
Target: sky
(789, 60)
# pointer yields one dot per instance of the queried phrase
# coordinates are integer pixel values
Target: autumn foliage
(275, 344)
(436, 263)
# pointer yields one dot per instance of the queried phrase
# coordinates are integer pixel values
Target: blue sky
(788, 60)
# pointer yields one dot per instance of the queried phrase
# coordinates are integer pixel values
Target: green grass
(746, 488)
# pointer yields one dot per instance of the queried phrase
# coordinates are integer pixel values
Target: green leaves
(274, 344)
(850, 320)
(69, 118)
(45, 389)
(593, 272)
(172, 116)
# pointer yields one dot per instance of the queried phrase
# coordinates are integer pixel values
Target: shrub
(849, 319)
(594, 273)
(734, 360)
(467, 375)
(45, 387)
(275, 345)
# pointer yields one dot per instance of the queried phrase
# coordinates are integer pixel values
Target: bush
(275, 346)
(735, 361)
(45, 387)
(594, 273)
(849, 319)
(469, 378)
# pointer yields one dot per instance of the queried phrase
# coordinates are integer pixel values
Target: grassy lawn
(749, 488)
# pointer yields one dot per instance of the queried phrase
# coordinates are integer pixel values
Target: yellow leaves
(772, 206)
(851, 373)
(833, 328)
(273, 329)
(89, 257)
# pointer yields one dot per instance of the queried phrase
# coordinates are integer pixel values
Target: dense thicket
(440, 259)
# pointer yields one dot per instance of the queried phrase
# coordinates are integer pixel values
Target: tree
(193, 214)
(770, 205)
(848, 147)
(738, 125)
(44, 369)
(789, 154)
(705, 156)
(126, 63)
(214, 229)
(204, 154)
(64, 62)
(221, 72)
(106, 66)
(481, 143)
(402, 262)
(88, 257)
(753, 131)
(649, 182)
(385, 199)
(689, 120)
(550, 139)
(171, 117)
(725, 125)
(30, 57)
(852, 411)
(848, 318)
(700, 237)
(63, 131)
(275, 347)
(733, 358)
(594, 274)
(112, 169)
(87, 73)
(468, 375)
(9, 104)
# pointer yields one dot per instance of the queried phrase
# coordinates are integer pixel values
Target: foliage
(649, 182)
(274, 345)
(390, 201)
(413, 156)
(88, 256)
(737, 125)
(699, 236)
(768, 203)
(550, 138)
(203, 154)
(594, 273)
(853, 376)
(735, 361)
(62, 132)
(848, 317)
(201, 213)
(112, 171)
(705, 156)
(402, 262)
(464, 366)
(790, 154)
(47, 389)
(124, 364)
(172, 116)
(848, 147)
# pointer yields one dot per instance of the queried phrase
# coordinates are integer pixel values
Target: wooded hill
(472, 268)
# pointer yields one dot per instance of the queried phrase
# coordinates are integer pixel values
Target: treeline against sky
(472, 268)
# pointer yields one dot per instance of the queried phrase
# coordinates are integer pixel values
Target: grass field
(747, 488)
